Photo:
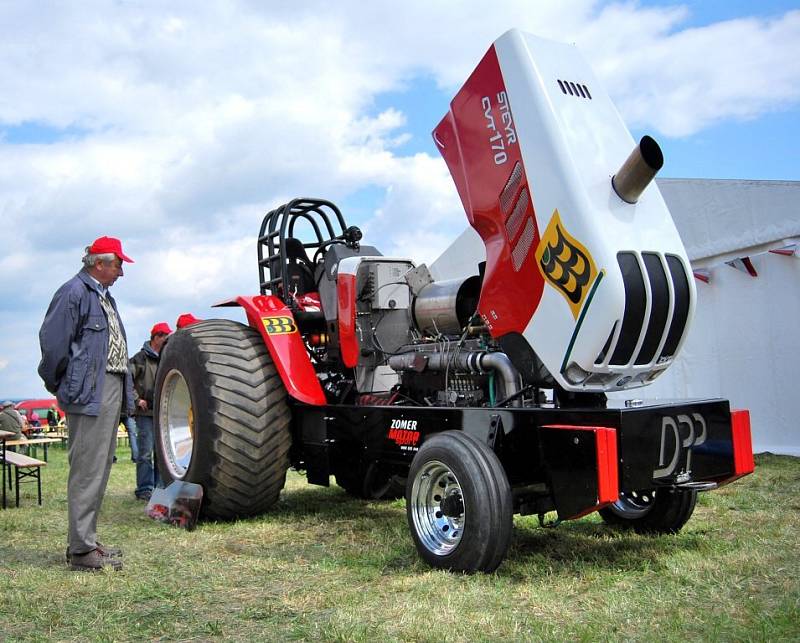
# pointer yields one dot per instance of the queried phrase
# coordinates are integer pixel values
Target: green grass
(322, 566)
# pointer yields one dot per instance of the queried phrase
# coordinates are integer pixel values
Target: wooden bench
(25, 469)
(31, 444)
(56, 435)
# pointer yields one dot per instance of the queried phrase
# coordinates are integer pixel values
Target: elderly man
(85, 365)
(144, 366)
(10, 420)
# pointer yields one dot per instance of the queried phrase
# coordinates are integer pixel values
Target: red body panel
(348, 342)
(743, 462)
(605, 443)
(607, 474)
(479, 144)
(276, 324)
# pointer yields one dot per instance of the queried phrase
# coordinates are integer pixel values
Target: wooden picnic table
(33, 442)
(4, 435)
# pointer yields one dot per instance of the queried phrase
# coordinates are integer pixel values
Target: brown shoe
(93, 561)
(103, 550)
(108, 551)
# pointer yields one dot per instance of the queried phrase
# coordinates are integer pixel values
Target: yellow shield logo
(279, 325)
(565, 263)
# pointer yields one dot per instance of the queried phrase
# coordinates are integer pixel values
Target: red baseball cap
(187, 319)
(161, 328)
(108, 245)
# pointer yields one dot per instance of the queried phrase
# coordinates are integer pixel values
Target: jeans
(130, 427)
(146, 473)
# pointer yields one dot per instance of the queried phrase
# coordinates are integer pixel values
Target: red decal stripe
(348, 342)
(478, 141)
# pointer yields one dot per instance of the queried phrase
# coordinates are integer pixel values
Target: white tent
(743, 238)
(744, 343)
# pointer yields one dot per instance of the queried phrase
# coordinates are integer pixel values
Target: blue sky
(765, 147)
(175, 128)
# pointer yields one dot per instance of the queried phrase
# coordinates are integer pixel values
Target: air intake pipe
(473, 361)
(638, 170)
(445, 307)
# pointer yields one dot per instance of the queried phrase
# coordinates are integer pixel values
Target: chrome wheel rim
(177, 424)
(634, 504)
(437, 508)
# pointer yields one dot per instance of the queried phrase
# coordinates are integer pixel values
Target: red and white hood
(601, 289)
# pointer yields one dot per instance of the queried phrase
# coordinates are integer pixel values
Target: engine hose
(501, 364)
(473, 361)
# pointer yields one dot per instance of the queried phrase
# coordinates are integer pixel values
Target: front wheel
(653, 511)
(458, 504)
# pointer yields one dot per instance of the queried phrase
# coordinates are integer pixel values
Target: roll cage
(279, 249)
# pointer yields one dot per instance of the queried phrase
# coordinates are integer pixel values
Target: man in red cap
(143, 369)
(85, 365)
(187, 319)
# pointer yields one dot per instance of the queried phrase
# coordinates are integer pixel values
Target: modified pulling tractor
(481, 396)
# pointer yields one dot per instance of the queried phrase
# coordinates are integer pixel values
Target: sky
(176, 126)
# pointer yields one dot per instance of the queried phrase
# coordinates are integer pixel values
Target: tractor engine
(411, 338)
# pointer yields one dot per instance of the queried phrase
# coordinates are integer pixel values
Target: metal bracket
(495, 428)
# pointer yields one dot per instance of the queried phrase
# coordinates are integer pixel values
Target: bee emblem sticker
(279, 325)
(565, 263)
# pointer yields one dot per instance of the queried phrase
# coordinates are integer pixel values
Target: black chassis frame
(659, 444)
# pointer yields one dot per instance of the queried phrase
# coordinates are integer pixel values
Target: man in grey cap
(10, 420)
(85, 365)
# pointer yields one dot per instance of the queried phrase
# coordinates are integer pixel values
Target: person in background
(133, 433)
(22, 416)
(10, 421)
(85, 365)
(187, 319)
(52, 418)
(143, 368)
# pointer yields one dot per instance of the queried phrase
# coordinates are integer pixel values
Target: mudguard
(581, 463)
(277, 326)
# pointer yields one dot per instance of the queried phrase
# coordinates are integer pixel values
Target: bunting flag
(744, 264)
(703, 275)
(787, 251)
(790, 248)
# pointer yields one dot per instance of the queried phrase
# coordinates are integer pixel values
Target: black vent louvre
(635, 299)
(659, 309)
(680, 284)
(574, 89)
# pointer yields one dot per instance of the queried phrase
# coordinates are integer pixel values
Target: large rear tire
(655, 511)
(222, 419)
(458, 504)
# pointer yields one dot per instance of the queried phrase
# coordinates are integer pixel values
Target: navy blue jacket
(74, 343)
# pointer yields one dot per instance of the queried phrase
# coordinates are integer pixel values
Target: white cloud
(188, 123)
(686, 81)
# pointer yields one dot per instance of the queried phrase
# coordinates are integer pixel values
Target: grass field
(322, 566)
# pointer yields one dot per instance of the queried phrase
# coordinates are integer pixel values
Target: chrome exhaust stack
(638, 170)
